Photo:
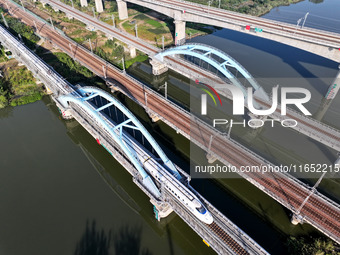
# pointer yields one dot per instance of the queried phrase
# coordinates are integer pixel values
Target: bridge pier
(48, 90)
(83, 3)
(296, 219)
(336, 165)
(158, 67)
(133, 53)
(179, 32)
(99, 6)
(91, 28)
(65, 113)
(334, 87)
(153, 116)
(131, 50)
(161, 210)
(256, 121)
(211, 158)
(69, 16)
(113, 87)
(325, 103)
(122, 9)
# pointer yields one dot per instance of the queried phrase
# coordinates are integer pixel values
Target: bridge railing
(245, 16)
(150, 91)
(331, 130)
(207, 14)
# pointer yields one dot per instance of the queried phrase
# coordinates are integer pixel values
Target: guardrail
(209, 15)
(174, 105)
(150, 91)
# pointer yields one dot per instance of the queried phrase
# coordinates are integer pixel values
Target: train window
(201, 209)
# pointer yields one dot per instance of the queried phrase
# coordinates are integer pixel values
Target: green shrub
(26, 99)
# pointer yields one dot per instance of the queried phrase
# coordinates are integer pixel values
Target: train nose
(209, 219)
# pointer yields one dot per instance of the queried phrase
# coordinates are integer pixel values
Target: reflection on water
(52, 172)
(316, 1)
(271, 63)
(54, 202)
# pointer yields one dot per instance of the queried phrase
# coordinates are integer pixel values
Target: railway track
(227, 239)
(280, 186)
(187, 6)
(155, 51)
(142, 46)
(300, 120)
(288, 190)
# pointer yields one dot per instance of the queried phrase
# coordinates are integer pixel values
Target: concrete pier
(319, 114)
(65, 113)
(122, 9)
(211, 158)
(48, 90)
(296, 219)
(158, 67)
(133, 53)
(91, 28)
(153, 116)
(161, 210)
(99, 6)
(179, 32)
(69, 16)
(83, 3)
(256, 121)
(334, 88)
(131, 50)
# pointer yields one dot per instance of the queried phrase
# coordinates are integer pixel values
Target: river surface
(61, 193)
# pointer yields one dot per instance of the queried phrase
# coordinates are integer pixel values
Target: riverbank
(251, 7)
(17, 84)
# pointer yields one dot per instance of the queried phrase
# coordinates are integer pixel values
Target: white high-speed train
(183, 194)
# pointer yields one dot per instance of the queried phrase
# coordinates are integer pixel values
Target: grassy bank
(73, 71)
(16, 27)
(109, 49)
(252, 7)
(18, 86)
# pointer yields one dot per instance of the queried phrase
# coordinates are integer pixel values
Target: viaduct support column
(296, 219)
(132, 50)
(179, 32)
(122, 9)
(83, 3)
(158, 67)
(334, 88)
(99, 6)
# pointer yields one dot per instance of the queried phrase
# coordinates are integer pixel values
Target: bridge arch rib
(115, 131)
(219, 60)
